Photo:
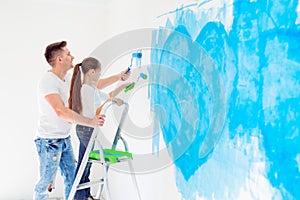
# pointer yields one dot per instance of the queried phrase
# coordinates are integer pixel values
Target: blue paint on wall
(227, 99)
(184, 102)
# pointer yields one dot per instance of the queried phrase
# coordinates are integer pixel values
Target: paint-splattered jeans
(84, 134)
(54, 153)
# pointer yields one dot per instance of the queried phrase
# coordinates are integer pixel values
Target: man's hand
(98, 120)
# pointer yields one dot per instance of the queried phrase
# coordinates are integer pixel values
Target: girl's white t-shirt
(91, 98)
(49, 124)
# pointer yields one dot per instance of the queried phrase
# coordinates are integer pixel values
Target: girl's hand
(124, 76)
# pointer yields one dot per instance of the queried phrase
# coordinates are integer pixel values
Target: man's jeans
(54, 153)
(84, 134)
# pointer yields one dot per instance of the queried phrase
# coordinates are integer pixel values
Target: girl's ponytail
(75, 96)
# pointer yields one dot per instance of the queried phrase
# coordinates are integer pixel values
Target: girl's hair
(75, 95)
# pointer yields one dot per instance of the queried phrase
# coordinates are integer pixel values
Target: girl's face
(93, 75)
(96, 74)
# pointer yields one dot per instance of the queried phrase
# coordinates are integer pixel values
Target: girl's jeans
(84, 134)
(54, 153)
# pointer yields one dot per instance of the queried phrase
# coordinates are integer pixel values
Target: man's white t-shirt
(91, 98)
(49, 124)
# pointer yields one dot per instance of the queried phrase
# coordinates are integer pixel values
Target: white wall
(26, 28)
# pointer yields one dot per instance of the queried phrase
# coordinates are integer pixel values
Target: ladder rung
(88, 184)
(98, 162)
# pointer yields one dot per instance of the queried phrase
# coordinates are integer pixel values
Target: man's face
(67, 58)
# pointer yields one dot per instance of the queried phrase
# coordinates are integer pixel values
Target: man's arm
(103, 83)
(69, 115)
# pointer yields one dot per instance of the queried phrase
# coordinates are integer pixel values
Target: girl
(85, 98)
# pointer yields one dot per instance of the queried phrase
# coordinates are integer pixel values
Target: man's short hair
(53, 50)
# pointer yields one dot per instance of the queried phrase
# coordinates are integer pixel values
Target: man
(55, 118)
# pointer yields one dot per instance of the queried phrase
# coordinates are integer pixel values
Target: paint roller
(137, 56)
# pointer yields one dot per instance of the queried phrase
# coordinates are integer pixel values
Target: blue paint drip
(257, 63)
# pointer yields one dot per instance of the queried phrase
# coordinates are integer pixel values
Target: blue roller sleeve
(137, 55)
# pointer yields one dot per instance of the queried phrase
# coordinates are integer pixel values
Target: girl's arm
(118, 90)
(103, 83)
(116, 100)
(112, 97)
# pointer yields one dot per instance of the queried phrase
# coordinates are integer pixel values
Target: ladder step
(110, 155)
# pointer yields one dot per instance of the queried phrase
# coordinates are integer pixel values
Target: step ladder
(104, 158)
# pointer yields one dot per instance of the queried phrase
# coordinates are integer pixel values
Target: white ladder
(103, 182)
